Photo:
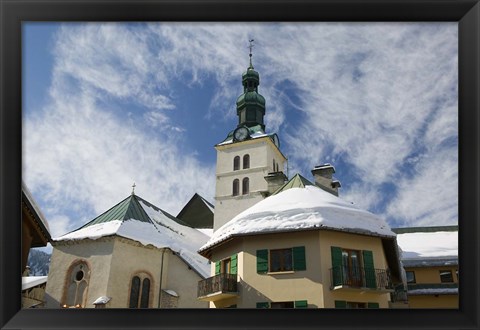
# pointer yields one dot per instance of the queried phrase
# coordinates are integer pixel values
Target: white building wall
(262, 152)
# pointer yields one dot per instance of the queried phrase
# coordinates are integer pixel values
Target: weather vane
(133, 188)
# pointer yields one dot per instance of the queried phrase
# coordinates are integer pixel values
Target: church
(277, 242)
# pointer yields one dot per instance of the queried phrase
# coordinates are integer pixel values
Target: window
(347, 268)
(281, 260)
(235, 187)
(446, 276)
(139, 291)
(236, 163)
(245, 186)
(283, 304)
(354, 304)
(246, 161)
(351, 267)
(411, 277)
(273, 166)
(227, 266)
(77, 282)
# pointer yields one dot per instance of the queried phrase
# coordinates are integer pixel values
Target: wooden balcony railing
(222, 283)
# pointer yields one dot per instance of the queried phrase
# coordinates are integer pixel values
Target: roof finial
(251, 47)
(133, 188)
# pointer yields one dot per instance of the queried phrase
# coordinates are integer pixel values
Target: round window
(79, 275)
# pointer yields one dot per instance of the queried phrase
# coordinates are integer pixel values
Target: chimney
(275, 180)
(323, 175)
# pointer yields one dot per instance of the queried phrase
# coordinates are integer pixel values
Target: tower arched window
(246, 161)
(274, 165)
(236, 187)
(140, 291)
(245, 186)
(78, 277)
(236, 163)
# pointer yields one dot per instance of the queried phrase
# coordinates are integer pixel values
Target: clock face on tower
(240, 134)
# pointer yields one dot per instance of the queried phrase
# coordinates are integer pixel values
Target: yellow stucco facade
(313, 285)
(434, 296)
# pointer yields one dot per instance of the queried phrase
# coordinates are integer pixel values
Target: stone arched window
(78, 277)
(245, 186)
(246, 161)
(236, 163)
(140, 295)
(236, 187)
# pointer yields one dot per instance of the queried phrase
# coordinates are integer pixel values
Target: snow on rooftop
(428, 244)
(298, 209)
(31, 281)
(162, 233)
(254, 135)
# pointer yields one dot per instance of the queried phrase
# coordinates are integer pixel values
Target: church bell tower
(250, 164)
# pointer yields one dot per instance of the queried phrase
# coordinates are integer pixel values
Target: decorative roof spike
(250, 55)
(133, 188)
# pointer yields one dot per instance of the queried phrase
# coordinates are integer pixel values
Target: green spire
(250, 105)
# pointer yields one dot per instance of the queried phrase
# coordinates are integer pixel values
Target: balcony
(360, 279)
(217, 287)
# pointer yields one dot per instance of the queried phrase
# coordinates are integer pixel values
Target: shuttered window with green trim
(218, 265)
(340, 304)
(299, 261)
(373, 305)
(337, 266)
(263, 305)
(370, 279)
(301, 304)
(262, 261)
(233, 266)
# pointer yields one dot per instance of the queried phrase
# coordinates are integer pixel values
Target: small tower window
(245, 186)
(235, 188)
(236, 163)
(274, 165)
(246, 161)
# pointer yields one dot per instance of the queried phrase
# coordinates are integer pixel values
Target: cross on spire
(251, 47)
(133, 188)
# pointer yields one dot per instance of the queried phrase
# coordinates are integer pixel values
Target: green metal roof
(297, 181)
(129, 208)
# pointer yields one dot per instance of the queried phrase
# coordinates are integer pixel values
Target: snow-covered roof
(102, 300)
(433, 291)
(415, 245)
(255, 135)
(300, 209)
(31, 281)
(161, 230)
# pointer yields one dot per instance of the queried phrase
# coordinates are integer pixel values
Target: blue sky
(106, 105)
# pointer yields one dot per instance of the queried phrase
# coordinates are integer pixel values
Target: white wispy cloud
(380, 98)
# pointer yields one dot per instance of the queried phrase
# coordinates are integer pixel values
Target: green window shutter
(262, 261)
(373, 305)
(370, 279)
(299, 262)
(217, 267)
(340, 304)
(337, 277)
(301, 304)
(263, 305)
(233, 266)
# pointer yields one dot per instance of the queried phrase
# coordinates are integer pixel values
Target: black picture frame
(465, 12)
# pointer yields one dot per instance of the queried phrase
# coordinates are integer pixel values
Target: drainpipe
(161, 277)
